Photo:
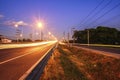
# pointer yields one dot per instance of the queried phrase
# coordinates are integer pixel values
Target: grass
(70, 63)
(99, 66)
(53, 69)
(71, 70)
(62, 68)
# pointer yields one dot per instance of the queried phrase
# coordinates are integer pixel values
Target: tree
(99, 35)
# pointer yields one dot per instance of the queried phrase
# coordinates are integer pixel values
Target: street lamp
(40, 25)
(16, 26)
(49, 33)
(21, 36)
(37, 33)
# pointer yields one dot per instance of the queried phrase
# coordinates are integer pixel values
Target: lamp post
(21, 36)
(16, 26)
(39, 24)
(68, 40)
(49, 35)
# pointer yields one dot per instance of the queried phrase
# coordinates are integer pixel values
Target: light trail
(7, 46)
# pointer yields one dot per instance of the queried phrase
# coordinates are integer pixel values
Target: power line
(99, 11)
(105, 13)
(92, 11)
(77, 26)
(110, 19)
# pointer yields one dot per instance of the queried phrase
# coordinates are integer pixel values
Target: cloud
(20, 23)
(1, 16)
(13, 23)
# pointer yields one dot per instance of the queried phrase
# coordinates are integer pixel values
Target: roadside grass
(71, 63)
(71, 71)
(98, 66)
(53, 69)
(60, 67)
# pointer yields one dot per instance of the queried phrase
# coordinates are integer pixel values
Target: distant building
(4, 40)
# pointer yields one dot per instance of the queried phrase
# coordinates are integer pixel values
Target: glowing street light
(16, 25)
(21, 35)
(37, 33)
(52, 35)
(49, 33)
(39, 24)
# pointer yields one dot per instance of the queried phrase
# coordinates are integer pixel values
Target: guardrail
(36, 70)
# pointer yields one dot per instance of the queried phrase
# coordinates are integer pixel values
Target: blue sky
(57, 15)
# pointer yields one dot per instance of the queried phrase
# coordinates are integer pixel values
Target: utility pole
(42, 35)
(72, 33)
(18, 32)
(31, 36)
(68, 39)
(64, 36)
(21, 35)
(88, 37)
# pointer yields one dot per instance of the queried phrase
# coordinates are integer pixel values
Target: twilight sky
(57, 16)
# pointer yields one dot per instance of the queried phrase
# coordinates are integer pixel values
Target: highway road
(101, 48)
(115, 52)
(16, 61)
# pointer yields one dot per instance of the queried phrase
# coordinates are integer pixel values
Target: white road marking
(29, 70)
(15, 57)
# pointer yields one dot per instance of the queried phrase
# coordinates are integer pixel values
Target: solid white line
(29, 70)
(15, 58)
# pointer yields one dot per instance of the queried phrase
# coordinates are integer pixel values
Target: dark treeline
(99, 35)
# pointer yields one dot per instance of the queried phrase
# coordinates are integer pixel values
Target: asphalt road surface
(105, 49)
(109, 51)
(15, 62)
